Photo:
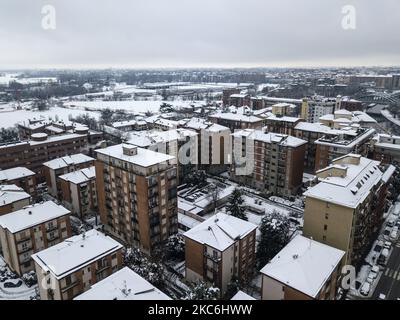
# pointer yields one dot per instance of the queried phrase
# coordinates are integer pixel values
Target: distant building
(42, 148)
(240, 118)
(78, 191)
(338, 143)
(282, 124)
(303, 270)
(74, 265)
(226, 94)
(343, 119)
(57, 167)
(349, 104)
(12, 198)
(124, 284)
(137, 195)
(283, 109)
(21, 177)
(239, 100)
(277, 161)
(30, 230)
(218, 249)
(386, 148)
(345, 209)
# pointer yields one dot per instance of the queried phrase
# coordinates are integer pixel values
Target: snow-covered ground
(22, 292)
(11, 118)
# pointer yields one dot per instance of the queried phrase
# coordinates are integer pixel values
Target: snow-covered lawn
(11, 118)
(22, 292)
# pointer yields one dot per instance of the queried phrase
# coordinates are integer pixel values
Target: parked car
(391, 222)
(13, 284)
(370, 278)
(393, 235)
(375, 269)
(373, 274)
(386, 233)
(383, 256)
(382, 297)
(387, 245)
(366, 287)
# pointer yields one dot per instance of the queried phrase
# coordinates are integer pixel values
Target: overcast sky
(198, 33)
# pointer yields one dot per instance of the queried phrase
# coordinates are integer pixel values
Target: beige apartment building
(21, 177)
(78, 191)
(386, 148)
(32, 229)
(12, 198)
(303, 270)
(220, 248)
(60, 166)
(71, 267)
(346, 207)
(276, 161)
(137, 195)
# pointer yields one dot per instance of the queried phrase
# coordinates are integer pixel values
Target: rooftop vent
(129, 150)
(295, 256)
(29, 212)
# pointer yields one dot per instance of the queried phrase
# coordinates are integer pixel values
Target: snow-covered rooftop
(352, 186)
(240, 295)
(68, 161)
(124, 284)
(220, 231)
(304, 265)
(143, 158)
(80, 176)
(75, 253)
(236, 117)
(11, 193)
(15, 173)
(282, 139)
(32, 215)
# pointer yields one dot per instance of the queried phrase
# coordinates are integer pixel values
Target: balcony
(69, 286)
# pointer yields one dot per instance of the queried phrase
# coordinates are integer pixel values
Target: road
(389, 282)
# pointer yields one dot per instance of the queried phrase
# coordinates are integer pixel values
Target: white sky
(198, 33)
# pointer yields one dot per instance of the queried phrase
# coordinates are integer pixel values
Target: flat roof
(75, 253)
(124, 284)
(143, 158)
(304, 265)
(32, 215)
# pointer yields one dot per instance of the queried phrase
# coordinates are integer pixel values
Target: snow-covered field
(9, 119)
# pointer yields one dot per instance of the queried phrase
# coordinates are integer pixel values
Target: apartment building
(348, 104)
(237, 118)
(42, 148)
(124, 284)
(214, 144)
(239, 99)
(54, 168)
(283, 109)
(343, 119)
(303, 270)
(31, 126)
(385, 148)
(71, 267)
(226, 94)
(276, 161)
(21, 177)
(346, 207)
(78, 191)
(12, 198)
(282, 125)
(137, 195)
(32, 229)
(180, 143)
(337, 143)
(220, 248)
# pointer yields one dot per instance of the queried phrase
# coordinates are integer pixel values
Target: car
(387, 245)
(393, 235)
(375, 269)
(398, 223)
(13, 284)
(391, 222)
(386, 233)
(383, 256)
(370, 278)
(373, 274)
(382, 296)
(366, 287)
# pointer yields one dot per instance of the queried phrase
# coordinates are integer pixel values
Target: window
(325, 227)
(326, 215)
(323, 238)
(327, 204)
